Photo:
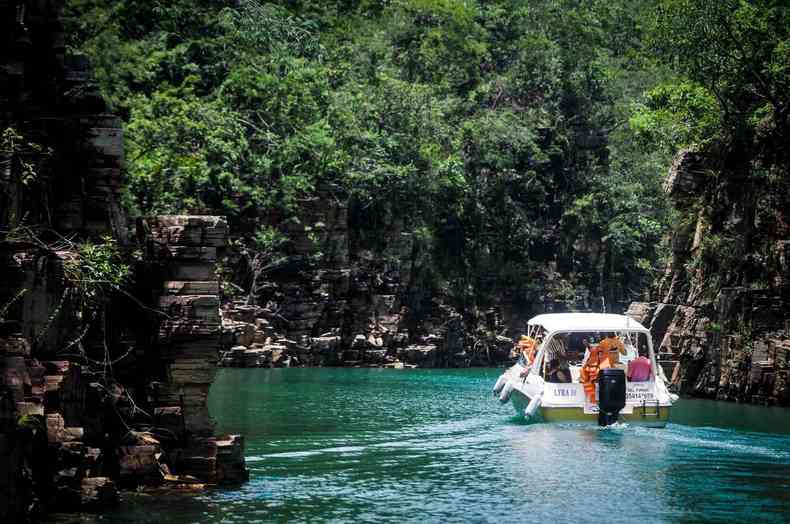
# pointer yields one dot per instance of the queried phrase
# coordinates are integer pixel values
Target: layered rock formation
(96, 390)
(354, 294)
(721, 319)
(182, 256)
(48, 454)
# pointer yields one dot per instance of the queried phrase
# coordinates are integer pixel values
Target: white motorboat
(537, 392)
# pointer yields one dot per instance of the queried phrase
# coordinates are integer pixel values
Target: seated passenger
(557, 372)
(639, 368)
(614, 348)
(587, 343)
(630, 353)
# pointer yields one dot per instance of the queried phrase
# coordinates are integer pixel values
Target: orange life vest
(528, 347)
(596, 361)
(614, 347)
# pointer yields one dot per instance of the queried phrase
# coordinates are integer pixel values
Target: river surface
(373, 445)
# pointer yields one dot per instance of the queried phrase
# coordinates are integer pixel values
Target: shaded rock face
(686, 178)
(47, 455)
(361, 294)
(114, 395)
(353, 305)
(715, 353)
(51, 99)
(721, 315)
(51, 453)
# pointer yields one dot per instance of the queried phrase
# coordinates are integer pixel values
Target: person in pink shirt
(639, 369)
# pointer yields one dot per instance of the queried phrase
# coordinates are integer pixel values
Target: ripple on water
(433, 446)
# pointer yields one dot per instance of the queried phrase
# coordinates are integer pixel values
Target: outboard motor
(611, 395)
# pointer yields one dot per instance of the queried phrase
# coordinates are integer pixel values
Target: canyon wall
(367, 282)
(361, 287)
(721, 315)
(101, 385)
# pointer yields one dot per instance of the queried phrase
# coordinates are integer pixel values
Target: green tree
(740, 52)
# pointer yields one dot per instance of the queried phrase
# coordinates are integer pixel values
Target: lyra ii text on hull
(587, 367)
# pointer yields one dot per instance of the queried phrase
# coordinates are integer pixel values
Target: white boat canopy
(600, 322)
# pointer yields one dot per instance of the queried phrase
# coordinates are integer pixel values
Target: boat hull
(649, 416)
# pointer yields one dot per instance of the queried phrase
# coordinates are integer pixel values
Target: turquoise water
(359, 445)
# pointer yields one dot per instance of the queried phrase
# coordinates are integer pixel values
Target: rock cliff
(361, 287)
(721, 313)
(100, 385)
(364, 282)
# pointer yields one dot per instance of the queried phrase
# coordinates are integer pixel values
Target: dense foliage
(733, 105)
(510, 133)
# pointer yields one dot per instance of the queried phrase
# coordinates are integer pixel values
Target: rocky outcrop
(351, 294)
(721, 319)
(686, 178)
(120, 398)
(54, 455)
(182, 254)
(98, 390)
(66, 134)
(60, 168)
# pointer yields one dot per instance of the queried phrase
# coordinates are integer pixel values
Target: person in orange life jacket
(589, 342)
(614, 348)
(528, 347)
(639, 368)
(597, 360)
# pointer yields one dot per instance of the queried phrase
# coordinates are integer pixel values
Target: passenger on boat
(528, 347)
(587, 343)
(639, 368)
(557, 348)
(558, 372)
(597, 360)
(614, 348)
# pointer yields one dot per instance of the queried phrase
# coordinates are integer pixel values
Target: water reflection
(731, 415)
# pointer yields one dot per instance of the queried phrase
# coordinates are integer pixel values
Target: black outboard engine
(611, 395)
